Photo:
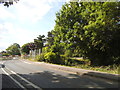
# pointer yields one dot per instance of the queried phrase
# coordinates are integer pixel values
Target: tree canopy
(8, 2)
(25, 48)
(90, 29)
(13, 49)
(39, 42)
(82, 29)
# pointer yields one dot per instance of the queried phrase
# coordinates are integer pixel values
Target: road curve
(31, 75)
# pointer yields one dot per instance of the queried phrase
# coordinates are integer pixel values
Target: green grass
(113, 69)
(107, 69)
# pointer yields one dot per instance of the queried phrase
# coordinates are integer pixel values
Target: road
(30, 75)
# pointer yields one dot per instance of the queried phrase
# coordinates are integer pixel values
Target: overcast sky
(24, 21)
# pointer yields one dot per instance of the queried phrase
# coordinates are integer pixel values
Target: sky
(24, 21)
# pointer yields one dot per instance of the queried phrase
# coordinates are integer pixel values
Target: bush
(5, 54)
(64, 59)
(46, 49)
(73, 61)
(40, 57)
(52, 57)
(68, 53)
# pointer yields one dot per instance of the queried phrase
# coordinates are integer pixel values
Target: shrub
(40, 57)
(64, 59)
(72, 61)
(68, 53)
(52, 57)
(45, 49)
(5, 54)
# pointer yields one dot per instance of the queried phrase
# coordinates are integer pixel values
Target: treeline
(83, 29)
(13, 50)
(87, 29)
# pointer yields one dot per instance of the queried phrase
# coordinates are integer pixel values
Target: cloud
(28, 10)
(15, 21)
(10, 34)
(3, 30)
(3, 46)
(25, 11)
(33, 10)
(5, 14)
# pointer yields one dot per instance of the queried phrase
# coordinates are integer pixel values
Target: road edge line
(13, 79)
(35, 86)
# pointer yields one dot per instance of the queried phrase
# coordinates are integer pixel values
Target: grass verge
(112, 69)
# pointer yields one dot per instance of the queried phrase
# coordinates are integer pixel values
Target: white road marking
(13, 79)
(50, 67)
(26, 62)
(2, 62)
(30, 83)
(38, 62)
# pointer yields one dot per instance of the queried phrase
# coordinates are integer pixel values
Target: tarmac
(97, 74)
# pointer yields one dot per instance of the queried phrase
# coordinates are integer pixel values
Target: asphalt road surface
(25, 75)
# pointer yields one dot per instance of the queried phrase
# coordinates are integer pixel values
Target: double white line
(30, 83)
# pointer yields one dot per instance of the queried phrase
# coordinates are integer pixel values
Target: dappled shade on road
(48, 79)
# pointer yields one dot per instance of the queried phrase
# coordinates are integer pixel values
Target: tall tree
(91, 27)
(25, 48)
(39, 42)
(50, 39)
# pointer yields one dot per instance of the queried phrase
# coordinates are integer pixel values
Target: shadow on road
(49, 79)
(110, 77)
(2, 66)
(8, 83)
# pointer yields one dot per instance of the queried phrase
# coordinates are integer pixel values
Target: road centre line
(13, 79)
(26, 62)
(30, 83)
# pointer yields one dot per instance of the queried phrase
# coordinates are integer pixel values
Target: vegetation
(8, 2)
(90, 30)
(13, 49)
(113, 69)
(25, 49)
(37, 45)
(40, 57)
(39, 42)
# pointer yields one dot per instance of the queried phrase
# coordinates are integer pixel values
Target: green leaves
(88, 29)
(25, 48)
(8, 2)
(14, 49)
(39, 42)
